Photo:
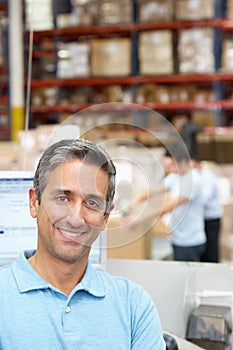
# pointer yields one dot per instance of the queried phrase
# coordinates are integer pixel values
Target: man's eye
(95, 204)
(92, 203)
(62, 199)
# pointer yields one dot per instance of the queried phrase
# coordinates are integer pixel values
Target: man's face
(170, 165)
(72, 210)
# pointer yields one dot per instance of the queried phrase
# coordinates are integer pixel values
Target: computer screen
(18, 230)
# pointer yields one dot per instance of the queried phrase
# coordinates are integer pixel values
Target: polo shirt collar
(28, 279)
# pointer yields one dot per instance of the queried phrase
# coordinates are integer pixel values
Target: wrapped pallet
(196, 50)
(73, 60)
(39, 14)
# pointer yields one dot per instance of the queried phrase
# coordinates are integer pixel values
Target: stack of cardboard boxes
(194, 9)
(96, 12)
(156, 52)
(229, 9)
(155, 11)
(111, 57)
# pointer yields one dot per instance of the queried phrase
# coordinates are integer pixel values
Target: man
(213, 211)
(182, 209)
(52, 298)
(186, 218)
(188, 131)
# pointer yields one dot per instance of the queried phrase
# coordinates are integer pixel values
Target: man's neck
(184, 167)
(60, 274)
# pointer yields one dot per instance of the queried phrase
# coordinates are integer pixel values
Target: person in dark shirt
(188, 131)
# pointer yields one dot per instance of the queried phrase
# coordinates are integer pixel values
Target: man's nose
(76, 213)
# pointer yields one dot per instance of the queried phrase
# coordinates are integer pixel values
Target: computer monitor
(18, 230)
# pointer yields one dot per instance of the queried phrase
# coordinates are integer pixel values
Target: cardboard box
(155, 10)
(205, 118)
(9, 155)
(111, 57)
(229, 11)
(194, 9)
(156, 52)
(83, 13)
(114, 11)
(227, 58)
(138, 249)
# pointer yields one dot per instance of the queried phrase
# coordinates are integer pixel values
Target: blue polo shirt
(102, 312)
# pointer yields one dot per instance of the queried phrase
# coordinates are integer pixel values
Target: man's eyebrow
(61, 191)
(95, 196)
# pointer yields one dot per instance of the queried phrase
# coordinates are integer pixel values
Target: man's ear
(33, 202)
(106, 216)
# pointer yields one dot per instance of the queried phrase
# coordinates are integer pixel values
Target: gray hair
(66, 150)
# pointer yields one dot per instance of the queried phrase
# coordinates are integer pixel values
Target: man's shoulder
(5, 271)
(104, 274)
(5, 276)
(119, 283)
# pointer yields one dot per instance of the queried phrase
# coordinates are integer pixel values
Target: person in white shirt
(184, 206)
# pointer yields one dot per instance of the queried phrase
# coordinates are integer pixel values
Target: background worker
(186, 218)
(213, 211)
(188, 131)
(184, 205)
